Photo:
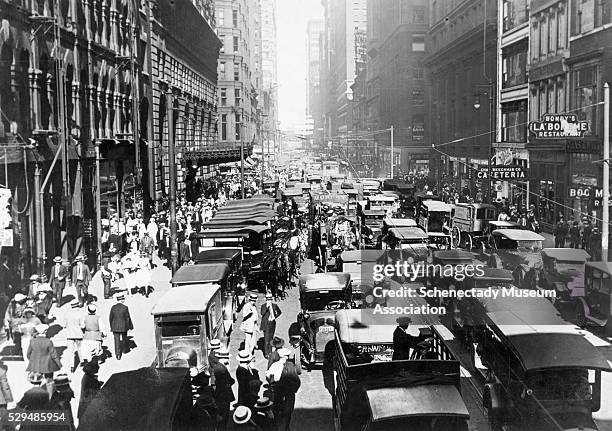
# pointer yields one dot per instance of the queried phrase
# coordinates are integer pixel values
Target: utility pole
(492, 134)
(172, 179)
(392, 152)
(605, 231)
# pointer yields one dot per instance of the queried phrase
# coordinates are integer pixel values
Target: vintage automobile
(387, 203)
(563, 271)
(434, 217)
(595, 307)
(359, 264)
(372, 392)
(405, 238)
(390, 222)
(271, 188)
(352, 196)
(370, 187)
(321, 295)
(371, 227)
(186, 318)
(469, 223)
(517, 250)
(169, 390)
(541, 372)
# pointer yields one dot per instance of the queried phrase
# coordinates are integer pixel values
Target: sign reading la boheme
(502, 172)
(552, 126)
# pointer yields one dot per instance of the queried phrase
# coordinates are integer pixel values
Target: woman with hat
(277, 343)
(13, 317)
(35, 398)
(142, 276)
(93, 332)
(60, 400)
(33, 286)
(27, 329)
(90, 385)
(42, 355)
(249, 323)
(247, 377)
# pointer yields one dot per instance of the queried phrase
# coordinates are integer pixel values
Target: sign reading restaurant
(502, 172)
(552, 126)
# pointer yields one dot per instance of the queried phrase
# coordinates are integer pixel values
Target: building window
(236, 71)
(418, 127)
(586, 15)
(515, 13)
(418, 15)
(235, 44)
(514, 121)
(562, 27)
(585, 95)
(235, 18)
(418, 42)
(221, 18)
(223, 97)
(514, 65)
(237, 96)
(237, 131)
(418, 97)
(535, 40)
(222, 39)
(418, 72)
(544, 36)
(222, 69)
(224, 127)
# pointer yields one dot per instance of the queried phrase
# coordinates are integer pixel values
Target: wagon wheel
(456, 236)
(469, 242)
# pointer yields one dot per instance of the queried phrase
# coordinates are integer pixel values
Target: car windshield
(373, 222)
(180, 329)
(422, 424)
(314, 301)
(572, 384)
(530, 245)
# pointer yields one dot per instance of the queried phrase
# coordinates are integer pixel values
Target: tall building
(84, 140)
(314, 28)
(344, 20)
(269, 85)
(461, 77)
(554, 59)
(239, 75)
(396, 82)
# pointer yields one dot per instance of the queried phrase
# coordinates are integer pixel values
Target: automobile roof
(400, 222)
(567, 254)
(211, 272)
(374, 213)
(408, 233)
(433, 205)
(237, 230)
(474, 205)
(192, 298)
(218, 254)
(602, 266)
(425, 400)
(361, 255)
(324, 281)
(382, 198)
(363, 326)
(519, 234)
(503, 223)
(454, 255)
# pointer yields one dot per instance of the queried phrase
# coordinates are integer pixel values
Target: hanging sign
(502, 173)
(553, 126)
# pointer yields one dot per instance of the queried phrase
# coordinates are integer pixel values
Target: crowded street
(305, 215)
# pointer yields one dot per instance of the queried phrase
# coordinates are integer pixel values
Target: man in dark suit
(57, 279)
(269, 313)
(224, 395)
(185, 252)
(120, 324)
(402, 341)
(81, 276)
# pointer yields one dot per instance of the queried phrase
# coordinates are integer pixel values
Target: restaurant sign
(552, 126)
(502, 172)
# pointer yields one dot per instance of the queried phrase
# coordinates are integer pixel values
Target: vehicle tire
(456, 236)
(469, 242)
(580, 316)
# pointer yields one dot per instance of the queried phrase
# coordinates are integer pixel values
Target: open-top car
(321, 295)
(563, 271)
(371, 227)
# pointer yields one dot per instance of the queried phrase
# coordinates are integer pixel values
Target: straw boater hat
(263, 403)
(120, 297)
(244, 356)
(242, 415)
(75, 303)
(57, 259)
(79, 258)
(91, 309)
(42, 328)
(34, 277)
(35, 378)
(269, 296)
(253, 297)
(19, 297)
(215, 344)
(61, 380)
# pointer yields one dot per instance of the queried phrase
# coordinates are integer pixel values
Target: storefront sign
(553, 126)
(595, 194)
(588, 147)
(502, 173)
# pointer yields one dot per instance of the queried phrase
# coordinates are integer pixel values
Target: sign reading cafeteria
(503, 173)
(553, 126)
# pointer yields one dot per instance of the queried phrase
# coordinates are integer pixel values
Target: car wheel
(580, 316)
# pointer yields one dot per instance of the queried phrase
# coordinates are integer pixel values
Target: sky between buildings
(291, 19)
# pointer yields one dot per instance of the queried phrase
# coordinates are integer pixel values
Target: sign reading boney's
(552, 126)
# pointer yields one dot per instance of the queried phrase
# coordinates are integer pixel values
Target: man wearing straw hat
(243, 418)
(74, 334)
(247, 378)
(81, 276)
(224, 395)
(213, 347)
(249, 323)
(269, 313)
(57, 278)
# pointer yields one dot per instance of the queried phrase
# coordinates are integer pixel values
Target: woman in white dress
(129, 267)
(143, 275)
